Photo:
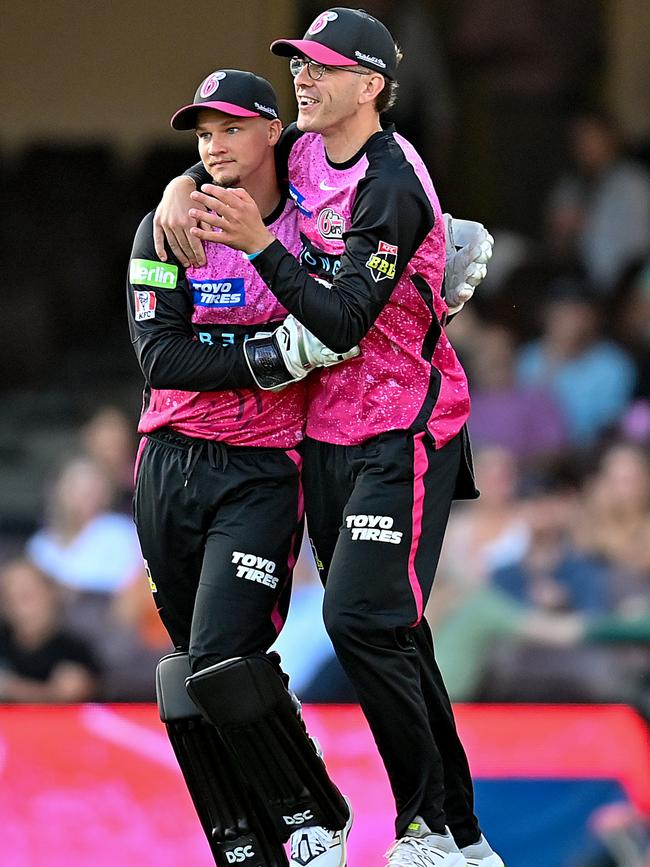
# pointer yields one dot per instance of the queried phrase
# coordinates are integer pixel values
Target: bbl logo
(330, 224)
(382, 263)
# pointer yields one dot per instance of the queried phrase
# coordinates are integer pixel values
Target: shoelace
(307, 843)
(412, 852)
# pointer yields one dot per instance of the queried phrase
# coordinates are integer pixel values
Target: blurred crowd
(543, 590)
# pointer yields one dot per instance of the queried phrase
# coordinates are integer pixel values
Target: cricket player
(387, 448)
(219, 505)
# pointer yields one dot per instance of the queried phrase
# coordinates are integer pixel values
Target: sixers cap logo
(210, 84)
(321, 22)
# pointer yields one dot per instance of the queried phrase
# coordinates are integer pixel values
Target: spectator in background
(470, 614)
(557, 582)
(40, 660)
(107, 437)
(552, 575)
(526, 420)
(94, 555)
(632, 322)
(599, 216)
(489, 533)
(591, 378)
(83, 545)
(614, 523)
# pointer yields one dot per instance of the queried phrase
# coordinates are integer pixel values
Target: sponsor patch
(373, 528)
(322, 21)
(254, 568)
(266, 108)
(330, 224)
(239, 854)
(210, 84)
(382, 263)
(147, 272)
(145, 305)
(226, 292)
(376, 61)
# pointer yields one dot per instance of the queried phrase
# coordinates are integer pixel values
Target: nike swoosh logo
(324, 186)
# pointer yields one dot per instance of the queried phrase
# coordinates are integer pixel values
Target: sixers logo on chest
(330, 225)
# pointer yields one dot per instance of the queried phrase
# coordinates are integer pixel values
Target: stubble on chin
(227, 181)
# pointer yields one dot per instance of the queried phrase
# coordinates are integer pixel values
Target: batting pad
(238, 828)
(246, 699)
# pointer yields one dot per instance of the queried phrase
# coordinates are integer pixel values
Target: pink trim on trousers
(420, 466)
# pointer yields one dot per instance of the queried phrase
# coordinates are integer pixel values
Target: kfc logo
(145, 305)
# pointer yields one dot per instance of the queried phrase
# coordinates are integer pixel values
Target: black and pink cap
(232, 91)
(345, 37)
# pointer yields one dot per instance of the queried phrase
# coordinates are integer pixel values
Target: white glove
(288, 354)
(469, 248)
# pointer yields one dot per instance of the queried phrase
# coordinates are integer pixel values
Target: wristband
(251, 256)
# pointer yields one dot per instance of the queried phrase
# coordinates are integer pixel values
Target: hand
(469, 248)
(235, 213)
(172, 221)
(288, 354)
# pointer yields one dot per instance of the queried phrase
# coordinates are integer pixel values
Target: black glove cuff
(265, 362)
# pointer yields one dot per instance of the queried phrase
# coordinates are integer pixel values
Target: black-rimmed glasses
(317, 70)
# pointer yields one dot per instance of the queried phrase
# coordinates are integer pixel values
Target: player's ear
(372, 87)
(275, 128)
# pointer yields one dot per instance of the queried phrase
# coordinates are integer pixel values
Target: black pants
(377, 514)
(220, 528)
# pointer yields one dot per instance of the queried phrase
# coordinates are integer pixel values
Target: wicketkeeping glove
(469, 248)
(288, 354)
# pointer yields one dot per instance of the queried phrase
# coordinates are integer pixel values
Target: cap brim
(311, 49)
(185, 118)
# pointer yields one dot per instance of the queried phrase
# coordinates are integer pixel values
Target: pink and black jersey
(370, 272)
(186, 326)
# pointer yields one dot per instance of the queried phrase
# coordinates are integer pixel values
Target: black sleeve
(198, 174)
(391, 217)
(159, 308)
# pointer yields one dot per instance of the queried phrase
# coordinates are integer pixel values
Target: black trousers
(220, 528)
(377, 514)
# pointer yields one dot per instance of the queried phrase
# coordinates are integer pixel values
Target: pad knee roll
(237, 825)
(247, 701)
